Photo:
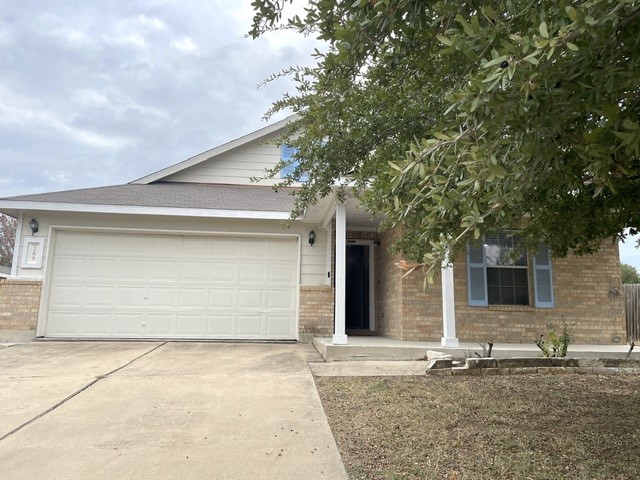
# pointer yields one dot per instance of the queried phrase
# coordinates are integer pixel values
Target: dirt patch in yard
(515, 427)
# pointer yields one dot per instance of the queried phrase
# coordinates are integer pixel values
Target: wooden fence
(632, 308)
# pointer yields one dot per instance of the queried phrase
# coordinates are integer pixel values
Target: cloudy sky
(102, 92)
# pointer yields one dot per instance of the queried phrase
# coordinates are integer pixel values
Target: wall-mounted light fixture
(376, 243)
(33, 225)
(312, 237)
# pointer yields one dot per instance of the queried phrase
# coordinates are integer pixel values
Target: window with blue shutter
(287, 155)
(498, 275)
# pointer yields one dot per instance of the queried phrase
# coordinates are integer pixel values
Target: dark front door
(357, 301)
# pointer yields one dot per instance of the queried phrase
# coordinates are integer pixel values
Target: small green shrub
(555, 345)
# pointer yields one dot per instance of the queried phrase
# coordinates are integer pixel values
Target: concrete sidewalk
(155, 411)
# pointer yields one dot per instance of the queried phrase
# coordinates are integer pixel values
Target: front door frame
(372, 301)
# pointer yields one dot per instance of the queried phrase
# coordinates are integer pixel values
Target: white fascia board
(201, 157)
(140, 210)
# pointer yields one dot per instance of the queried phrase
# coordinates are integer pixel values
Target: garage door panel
(71, 243)
(134, 246)
(131, 296)
(129, 324)
(161, 297)
(161, 270)
(159, 325)
(191, 297)
(64, 323)
(254, 248)
(102, 268)
(98, 324)
(133, 270)
(196, 248)
(105, 245)
(223, 272)
(165, 246)
(252, 272)
(70, 268)
(279, 250)
(282, 273)
(220, 325)
(100, 296)
(195, 271)
(222, 298)
(249, 325)
(67, 296)
(278, 326)
(225, 247)
(283, 299)
(250, 298)
(189, 325)
(130, 285)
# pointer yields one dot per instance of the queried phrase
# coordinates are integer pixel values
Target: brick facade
(316, 311)
(587, 290)
(588, 297)
(19, 304)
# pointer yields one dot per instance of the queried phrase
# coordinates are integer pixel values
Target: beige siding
(312, 260)
(234, 167)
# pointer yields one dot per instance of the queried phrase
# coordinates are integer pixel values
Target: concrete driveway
(142, 410)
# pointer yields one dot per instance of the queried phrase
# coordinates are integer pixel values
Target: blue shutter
(287, 153)
(543, 278)
(476, 276)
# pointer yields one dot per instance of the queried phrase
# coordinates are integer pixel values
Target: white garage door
(172, 286)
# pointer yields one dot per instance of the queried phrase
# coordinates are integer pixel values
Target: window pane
(507, 286)
(476, 286)
(475, 254)
(543, 285)
(501, 250)
(542, 256)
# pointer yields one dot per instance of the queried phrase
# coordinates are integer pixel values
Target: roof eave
(11, 206)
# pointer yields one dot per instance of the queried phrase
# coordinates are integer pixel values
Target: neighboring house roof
(169, 198)
(204, 156)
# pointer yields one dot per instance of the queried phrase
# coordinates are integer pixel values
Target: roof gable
(255, 137)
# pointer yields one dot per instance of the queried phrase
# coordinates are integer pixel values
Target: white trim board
(139, 210)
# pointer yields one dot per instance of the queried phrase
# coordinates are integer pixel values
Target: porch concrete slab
(384, 348)
(368, 368)
(187, 410)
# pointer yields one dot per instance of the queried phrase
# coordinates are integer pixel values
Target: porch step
(342, 353)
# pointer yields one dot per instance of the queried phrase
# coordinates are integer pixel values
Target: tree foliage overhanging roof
(463, 118)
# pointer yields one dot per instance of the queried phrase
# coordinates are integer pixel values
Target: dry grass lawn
(503, 427)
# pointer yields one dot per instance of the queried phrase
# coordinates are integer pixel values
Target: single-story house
(199, 251)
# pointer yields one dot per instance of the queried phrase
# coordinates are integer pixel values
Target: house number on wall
(34, 249)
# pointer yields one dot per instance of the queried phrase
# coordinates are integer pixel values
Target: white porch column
(340, 337)
(449, 339)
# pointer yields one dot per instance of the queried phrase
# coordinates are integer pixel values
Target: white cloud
(133, 39)
(185, 44)
(20, 113)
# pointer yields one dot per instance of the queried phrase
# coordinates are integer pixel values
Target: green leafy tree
(463, 118)
(630, 274)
